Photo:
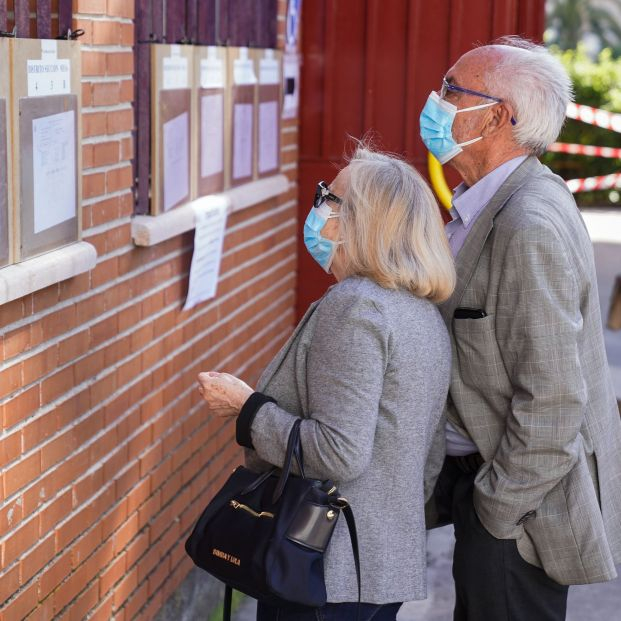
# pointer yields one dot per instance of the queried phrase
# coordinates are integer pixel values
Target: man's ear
(498, 118)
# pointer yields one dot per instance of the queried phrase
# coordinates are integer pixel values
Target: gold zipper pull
(238, 505)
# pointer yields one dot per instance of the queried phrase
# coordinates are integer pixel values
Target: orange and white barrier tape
(605, 182)
(583, 149)
(594, 116)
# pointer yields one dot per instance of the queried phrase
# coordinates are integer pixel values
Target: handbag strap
(228, 603)
(292, 449)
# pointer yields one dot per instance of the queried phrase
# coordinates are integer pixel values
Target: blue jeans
(329, 612)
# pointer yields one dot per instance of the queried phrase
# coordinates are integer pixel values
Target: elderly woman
(367, 369)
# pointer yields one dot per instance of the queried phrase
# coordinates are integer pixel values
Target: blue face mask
(436, 123)
(320, 248)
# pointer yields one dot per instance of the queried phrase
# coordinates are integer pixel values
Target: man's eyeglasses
(447, 86)
(323, 194)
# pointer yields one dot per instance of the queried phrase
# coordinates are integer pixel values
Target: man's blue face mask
(320, 248)
(436, 123)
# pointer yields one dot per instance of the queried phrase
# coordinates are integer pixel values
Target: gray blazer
(367, 369)
(530, 382)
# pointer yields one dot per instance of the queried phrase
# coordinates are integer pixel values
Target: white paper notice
(175, 74)
(268, 136)
(212, 135)
(49, 77)
(53, 169)
(176, 160)
(242, 143)
(205, 268)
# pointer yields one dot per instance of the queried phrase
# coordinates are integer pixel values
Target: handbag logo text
(226, 557)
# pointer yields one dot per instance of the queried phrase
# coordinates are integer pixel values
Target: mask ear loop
(479, 107)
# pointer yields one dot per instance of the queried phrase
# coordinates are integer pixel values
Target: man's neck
(472, 167)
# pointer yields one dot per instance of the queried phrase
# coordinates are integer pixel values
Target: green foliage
(597, 84)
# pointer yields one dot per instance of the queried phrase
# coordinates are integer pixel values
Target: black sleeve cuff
(246, 417)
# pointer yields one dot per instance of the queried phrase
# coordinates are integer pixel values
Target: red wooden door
(369, 65)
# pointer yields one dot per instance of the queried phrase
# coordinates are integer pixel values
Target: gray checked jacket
(367, 369)
(530, 382)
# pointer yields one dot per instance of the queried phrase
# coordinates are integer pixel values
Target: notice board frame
(167, 104)
(268, 91)
(207, 86)
(6, 181)
(243, 91)
(28, 107)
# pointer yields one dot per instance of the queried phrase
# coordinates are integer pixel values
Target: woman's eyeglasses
(323, 194)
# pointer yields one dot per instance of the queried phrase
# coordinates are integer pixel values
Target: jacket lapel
(468, 256)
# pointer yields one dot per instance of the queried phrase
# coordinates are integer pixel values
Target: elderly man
(532, 477)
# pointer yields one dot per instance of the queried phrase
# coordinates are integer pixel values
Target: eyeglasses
(447, 86)
(323, 194)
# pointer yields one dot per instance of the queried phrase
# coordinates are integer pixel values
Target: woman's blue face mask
(320, 248)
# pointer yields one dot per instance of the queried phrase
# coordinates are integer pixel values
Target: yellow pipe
(438, 181)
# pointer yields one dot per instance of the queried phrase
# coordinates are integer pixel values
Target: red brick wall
(107, 456)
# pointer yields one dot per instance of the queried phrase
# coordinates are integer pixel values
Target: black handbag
(265, 535)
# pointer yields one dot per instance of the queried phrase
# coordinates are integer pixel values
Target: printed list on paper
(268, 136)
(212, 134)
(54, 169)
(205, 268)
(176, 160)
(242, 141)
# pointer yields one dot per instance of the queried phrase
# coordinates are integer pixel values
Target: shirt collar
(468, 202)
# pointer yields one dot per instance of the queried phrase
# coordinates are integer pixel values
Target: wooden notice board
(6, 238)
(171, 126)
(47, 139)
(243, 80)
(211, 101)
(268, 67)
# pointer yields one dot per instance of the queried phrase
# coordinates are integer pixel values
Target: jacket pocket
(477, 354)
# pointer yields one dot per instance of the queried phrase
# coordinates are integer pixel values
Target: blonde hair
(392, 229)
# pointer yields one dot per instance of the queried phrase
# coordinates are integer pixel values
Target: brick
(112, 574)
(54, 513)
(121, 8)
(53, 576)
(46, 361)
(126, 93)
(75, 286)
(120, 63)
(20, 540)
(84, 603)
(41, 554)
(106, 93)
(95, 124)
(22, 406)
(10, 583)
(103, 612)
(119, 121)
(93, 63)
(87, 96)
(16, 342)
(137, 600)
(119, 179)
(106, 33)
(10, 447)
(22, 473)
(22, 604)
(97, 7)
(38, 430)
(127, 34)
(93, 185)
(106, 209)
(124, 589)
(57, 384)
(73, 347)
(106, 153)
(87, 26)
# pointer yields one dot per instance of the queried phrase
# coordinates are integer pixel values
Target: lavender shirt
(468, 203)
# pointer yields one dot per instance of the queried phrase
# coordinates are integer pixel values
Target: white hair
(536, 85)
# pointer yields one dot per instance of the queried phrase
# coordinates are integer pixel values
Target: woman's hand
(224, 393)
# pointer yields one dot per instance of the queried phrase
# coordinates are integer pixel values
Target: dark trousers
(329, 612)
(492, 581)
